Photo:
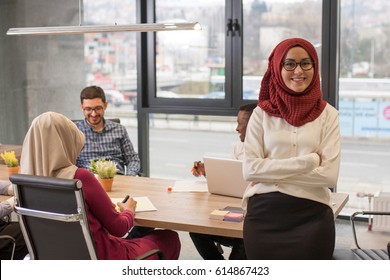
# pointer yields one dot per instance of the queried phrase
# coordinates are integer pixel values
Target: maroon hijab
(276, 99)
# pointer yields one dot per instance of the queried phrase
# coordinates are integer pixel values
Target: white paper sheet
(143, 203)
(189, 186)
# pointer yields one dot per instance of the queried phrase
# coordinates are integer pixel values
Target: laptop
(224, 176)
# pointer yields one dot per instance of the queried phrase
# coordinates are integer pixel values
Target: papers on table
(189, 186)
(229, 213)
(218, 214)
(143, 203)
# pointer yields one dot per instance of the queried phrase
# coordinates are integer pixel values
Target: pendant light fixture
(82, 29)
(141, 27)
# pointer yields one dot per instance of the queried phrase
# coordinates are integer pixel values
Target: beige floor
(188, 250)
(344, 240)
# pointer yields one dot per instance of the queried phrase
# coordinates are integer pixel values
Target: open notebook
(143, 203)
(224, 176)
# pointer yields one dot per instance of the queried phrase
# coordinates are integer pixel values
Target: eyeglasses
(97, 109)
(291, 65)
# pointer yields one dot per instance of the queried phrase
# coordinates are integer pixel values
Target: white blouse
(238, 151)
(281, 157)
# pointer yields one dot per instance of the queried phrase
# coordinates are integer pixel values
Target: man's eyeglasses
(97, 109)
(291, 65)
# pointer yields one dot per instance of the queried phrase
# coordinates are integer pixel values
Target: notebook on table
(224, 176)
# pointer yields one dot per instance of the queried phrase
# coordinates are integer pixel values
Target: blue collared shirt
(112, 143)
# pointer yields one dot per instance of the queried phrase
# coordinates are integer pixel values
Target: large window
(268, 22)
(176, 141)
(187, 61)
(364, 100)
(110, 60)
(223, 63)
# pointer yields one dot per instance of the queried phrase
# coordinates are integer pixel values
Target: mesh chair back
(52, 216)
(117, 120)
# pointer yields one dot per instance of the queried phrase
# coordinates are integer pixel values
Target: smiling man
(104, 138)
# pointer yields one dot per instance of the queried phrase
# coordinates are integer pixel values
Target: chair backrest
(367, 213)
(52, 216)
(117, 120)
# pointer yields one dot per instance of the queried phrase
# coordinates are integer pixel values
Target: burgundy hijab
(276, 99)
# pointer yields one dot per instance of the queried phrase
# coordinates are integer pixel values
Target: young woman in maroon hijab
(292, 158)
(50, 148)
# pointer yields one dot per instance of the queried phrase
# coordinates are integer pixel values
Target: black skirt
(282, 227)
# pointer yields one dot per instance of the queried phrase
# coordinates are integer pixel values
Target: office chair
(360, 253)
(369, 253)
(53, 219)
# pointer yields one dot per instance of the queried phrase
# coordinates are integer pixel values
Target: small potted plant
(92, 167)
(11, 161)
(106, 170)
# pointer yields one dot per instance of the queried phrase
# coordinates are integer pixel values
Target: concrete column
(38, 73)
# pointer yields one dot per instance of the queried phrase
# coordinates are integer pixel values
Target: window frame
(147, 102)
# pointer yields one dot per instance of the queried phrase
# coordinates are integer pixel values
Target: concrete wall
(38, 73)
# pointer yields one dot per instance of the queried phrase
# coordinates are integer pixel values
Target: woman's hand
(130, 205)
(198, 169)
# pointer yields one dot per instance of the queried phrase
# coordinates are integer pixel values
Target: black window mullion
(237, 54)
(330, 50)
(228, 50)
(143, 69)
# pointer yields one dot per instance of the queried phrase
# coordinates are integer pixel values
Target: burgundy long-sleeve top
(106, 224)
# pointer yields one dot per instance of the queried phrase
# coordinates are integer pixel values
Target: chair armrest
(13, 243)
(146, 255)
(380, 213)
(388, 249)
(374, 213)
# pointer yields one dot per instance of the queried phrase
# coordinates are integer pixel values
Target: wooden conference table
(183, 211)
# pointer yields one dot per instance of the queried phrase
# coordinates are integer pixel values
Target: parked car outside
(114, 97)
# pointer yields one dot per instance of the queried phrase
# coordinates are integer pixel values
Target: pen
(125, 199)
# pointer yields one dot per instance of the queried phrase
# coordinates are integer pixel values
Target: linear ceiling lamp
(81, 29)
